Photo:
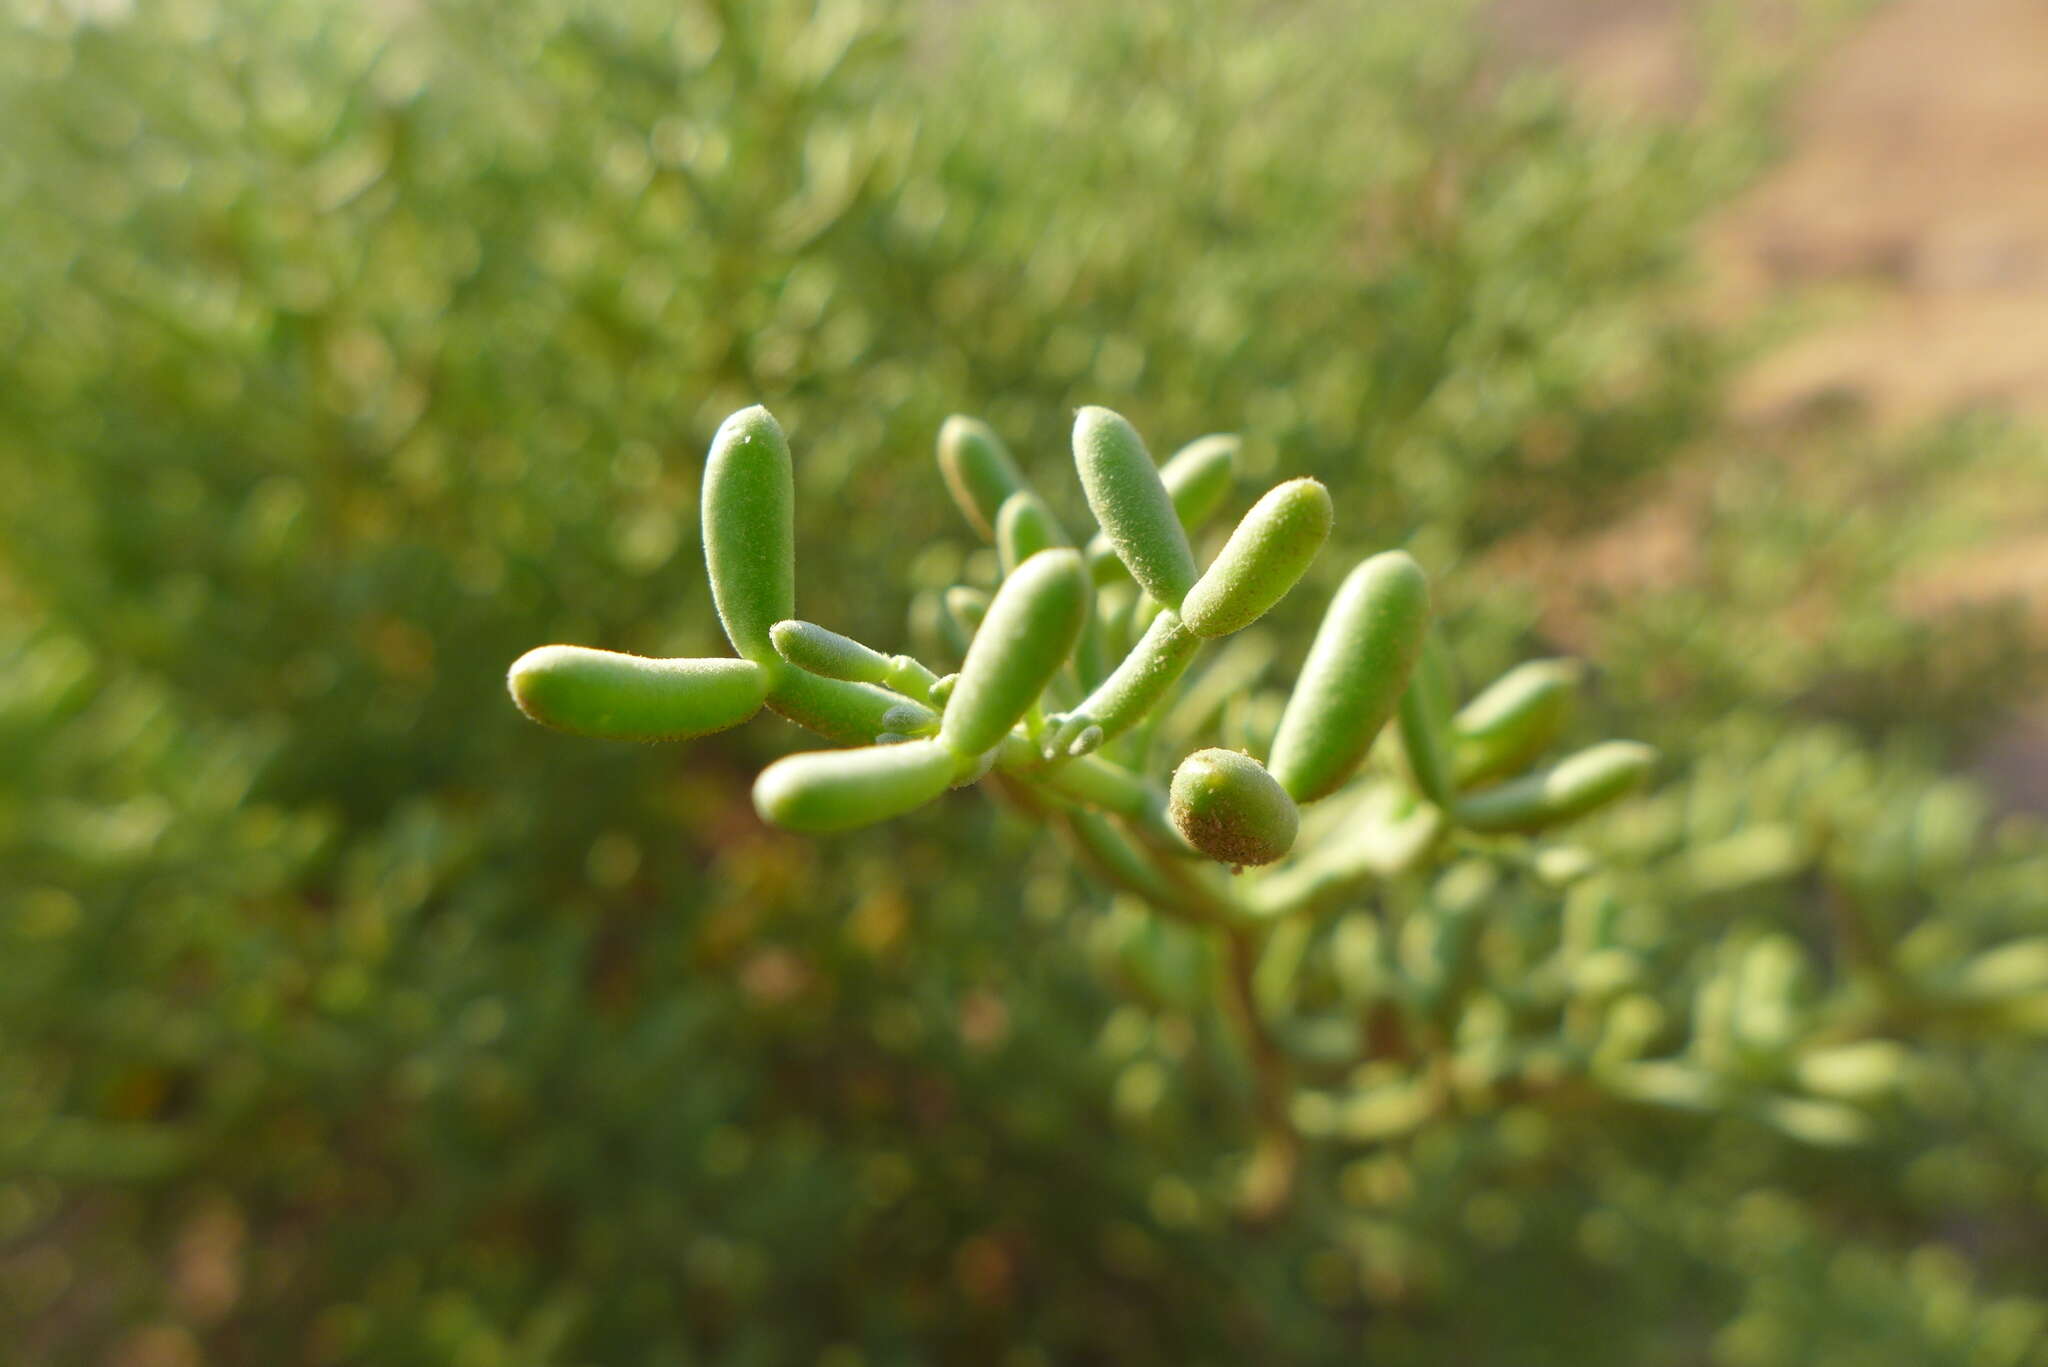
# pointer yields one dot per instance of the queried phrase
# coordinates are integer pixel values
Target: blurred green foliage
(347, 350)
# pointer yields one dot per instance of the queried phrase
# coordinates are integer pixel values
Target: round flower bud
(1226, 805)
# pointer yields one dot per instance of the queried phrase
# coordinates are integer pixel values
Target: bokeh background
(349, 349)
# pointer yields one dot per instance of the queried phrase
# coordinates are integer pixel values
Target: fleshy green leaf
(1197, 478)
(810, 646)
(838, 790)
(1424, 716)
(1024, 527)
(1357, 669)
(1515, 719)
(1590, 779)
(1132, 506)
(749, 509)
(629, 697)
(1030, 628)
(961, 610)
(1266, 555)
(978, 471)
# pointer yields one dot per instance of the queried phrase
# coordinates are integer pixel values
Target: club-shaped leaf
(1359, 665)
(838, 790)
(1030, 628)
(1590, 779)
(629, 697)
(749, 511)
(1197, 478)
(1024, 527)
(978, 471)
(810, 646)
(961, 609)
(1132, 506)
(1266, 555)
(1518, 717)
(1424, 717)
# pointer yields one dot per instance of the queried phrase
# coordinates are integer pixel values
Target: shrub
(345, 351)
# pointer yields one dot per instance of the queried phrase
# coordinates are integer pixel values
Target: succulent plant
(1036, 708)
(912, 734)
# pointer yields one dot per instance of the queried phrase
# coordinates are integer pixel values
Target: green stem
(1135, 687)
(1270, 1179)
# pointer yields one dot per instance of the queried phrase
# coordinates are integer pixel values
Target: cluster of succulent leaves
(1405, 953)
(1070, 679)
(347, 1017)
(1050, 633)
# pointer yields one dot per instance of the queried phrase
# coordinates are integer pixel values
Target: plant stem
(1270, 1178)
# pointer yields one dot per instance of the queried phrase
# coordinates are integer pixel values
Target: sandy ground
(1916, 189)
(1911, 211)
(1920, 173)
